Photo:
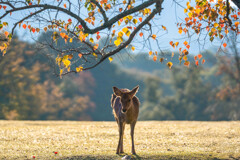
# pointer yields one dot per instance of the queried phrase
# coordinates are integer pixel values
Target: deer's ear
(133, 92)
(117, 91)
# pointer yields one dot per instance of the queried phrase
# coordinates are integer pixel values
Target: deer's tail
(113, 99)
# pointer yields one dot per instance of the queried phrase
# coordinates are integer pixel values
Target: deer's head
(125, 97)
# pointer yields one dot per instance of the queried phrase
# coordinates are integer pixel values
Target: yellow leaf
(110, 59)
(66, 62)
(133, 48)
(216, 25)
(185, 10)
(70, 40)
(169, 64)
(124, 30)
(135, 21)
(79, 69)
(172, 54)
(117, 42)
(128, 33)
(95, 55)
(91, 40)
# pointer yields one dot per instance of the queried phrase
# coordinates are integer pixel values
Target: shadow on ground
(144, 157)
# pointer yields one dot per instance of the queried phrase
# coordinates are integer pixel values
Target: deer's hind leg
(132, 136)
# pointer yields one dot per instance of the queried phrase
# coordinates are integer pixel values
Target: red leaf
(141, 34)
(203, 61)
(80, 27)
(188, 46)
(97, 33)
(33, 30)
(69, 20)
(98, 37)
(224, 45)
(140, 19)
(4, 7)
(197, 63)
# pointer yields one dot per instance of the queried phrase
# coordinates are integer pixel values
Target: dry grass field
(98, 140)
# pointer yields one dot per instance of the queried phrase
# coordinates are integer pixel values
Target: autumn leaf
(199, 56)
(80, 55)
(117, 42)
(164, 28)
(6, 33)
(203, 61)
(224, 45)
(64, 5)
(154, 36)
(196, 62)
(187, 63)
(161, 60)
(185, 43)
(169, 64)
(110, 59)
(140, 19)
(154, 58)
(70, 56)
(24, 26)
(141, 34)
(150, 53)
(133, 48)
(79, 69)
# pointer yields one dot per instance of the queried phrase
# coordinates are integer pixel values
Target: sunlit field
(98, 140)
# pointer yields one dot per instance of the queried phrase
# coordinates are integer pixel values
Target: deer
(125, 107)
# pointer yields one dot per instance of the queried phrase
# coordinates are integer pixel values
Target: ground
(98, 140)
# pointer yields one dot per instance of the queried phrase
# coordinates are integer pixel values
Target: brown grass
(98, 140)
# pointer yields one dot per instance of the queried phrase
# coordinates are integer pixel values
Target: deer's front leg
(121, 148)
(132, 136)
(120, 128)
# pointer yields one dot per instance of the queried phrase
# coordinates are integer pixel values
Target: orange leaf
(203, 61)
(185, 43)
(196, 62)
(140, 19)
(188, 46)
(4, 7)
(70, 56)
(224, 45)
(141, 34)
(199, 56)
(171, 43)
(80, 55)
(65, 6)
(154, 58)
(150, 53)
(187, 63)
(6, 33)
(154, 36)
(195, 58)
(24, 26)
